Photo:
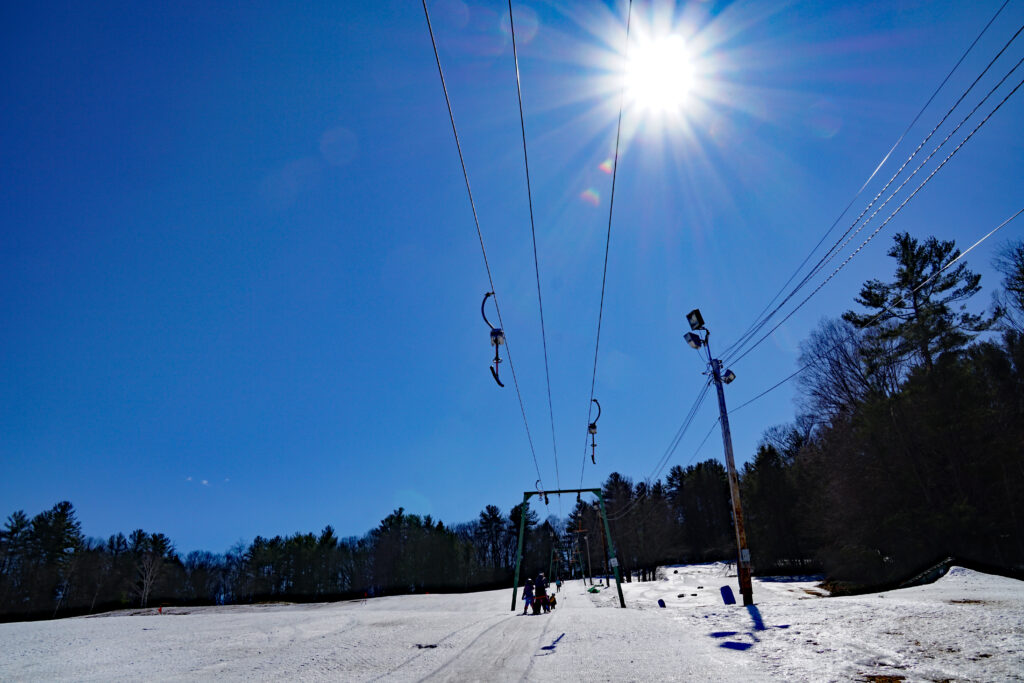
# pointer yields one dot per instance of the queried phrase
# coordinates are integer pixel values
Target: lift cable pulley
(592, 430)
(497, 339)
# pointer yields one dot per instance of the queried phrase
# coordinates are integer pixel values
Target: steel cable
(476, 221)
(607, 243)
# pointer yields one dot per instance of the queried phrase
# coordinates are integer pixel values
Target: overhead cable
(887, 309)
(892, 215)
(533, 234)
(607, 243)
(758, 322)
(672, 446)
(836, 247)
(479, 233)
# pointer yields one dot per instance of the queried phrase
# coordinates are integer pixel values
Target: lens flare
(606, 166)
(591, 196)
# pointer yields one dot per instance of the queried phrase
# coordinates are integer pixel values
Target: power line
(671, 449)
(479, 233)
(896, 211)
(693, 457)
(686, 423)
(887, 309)
(607, 243)
(836, 247)
(533, 234)
(755, 326)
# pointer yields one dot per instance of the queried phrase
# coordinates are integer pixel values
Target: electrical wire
(693, 457)
(607, 244)
(755, 326)
(887, 309)
(686, 423)
(887, 220)
(836, 247)
(533, 234)
(479, 233)
(671, 448)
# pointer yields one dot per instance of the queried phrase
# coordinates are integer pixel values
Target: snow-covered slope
(967, 626)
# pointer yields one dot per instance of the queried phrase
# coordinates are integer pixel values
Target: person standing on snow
(541, 591)
(527, 595)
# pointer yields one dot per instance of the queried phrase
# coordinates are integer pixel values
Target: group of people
(535, 595)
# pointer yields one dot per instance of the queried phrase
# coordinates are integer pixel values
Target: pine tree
(924, 306)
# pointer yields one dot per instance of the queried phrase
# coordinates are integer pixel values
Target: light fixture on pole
(695, 319)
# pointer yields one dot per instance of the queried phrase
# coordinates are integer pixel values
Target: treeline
(49, 568)
(908, 447)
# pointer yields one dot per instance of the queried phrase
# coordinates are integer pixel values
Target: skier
(527, 595)
(541, 591)
(558, 585)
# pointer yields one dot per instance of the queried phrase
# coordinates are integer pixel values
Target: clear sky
(240, 280)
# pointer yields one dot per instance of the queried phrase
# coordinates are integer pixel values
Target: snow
(966, 626)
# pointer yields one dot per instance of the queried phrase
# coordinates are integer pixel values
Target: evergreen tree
(924, 306)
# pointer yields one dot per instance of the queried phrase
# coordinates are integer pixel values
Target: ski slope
(966, 626)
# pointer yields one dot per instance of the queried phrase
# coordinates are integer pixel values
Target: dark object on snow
(681, 595)
(661, 603)
(675, 571)
(727, 596)
(426, 647)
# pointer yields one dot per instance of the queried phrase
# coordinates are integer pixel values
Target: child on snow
(528, 596)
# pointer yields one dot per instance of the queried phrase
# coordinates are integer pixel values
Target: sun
(659, 75)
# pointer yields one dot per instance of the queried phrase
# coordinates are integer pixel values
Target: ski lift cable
(607, 243)
(870, 237)
(533, 235)
(836, 248)
(751, 330)
(887, 309)
(480, 236)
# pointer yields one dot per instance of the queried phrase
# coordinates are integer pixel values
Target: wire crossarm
(612, 559)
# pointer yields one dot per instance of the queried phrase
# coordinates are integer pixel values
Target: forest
(907, 446)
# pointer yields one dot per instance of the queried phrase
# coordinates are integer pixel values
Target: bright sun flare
(659, 75)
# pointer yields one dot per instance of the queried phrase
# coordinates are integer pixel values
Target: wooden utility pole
(743, 565)
(696, 321)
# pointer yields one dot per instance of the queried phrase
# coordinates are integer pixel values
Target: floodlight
(693, 340)
(695, 319)
(729, 376)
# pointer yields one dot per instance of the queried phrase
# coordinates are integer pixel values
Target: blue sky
(240, 280)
